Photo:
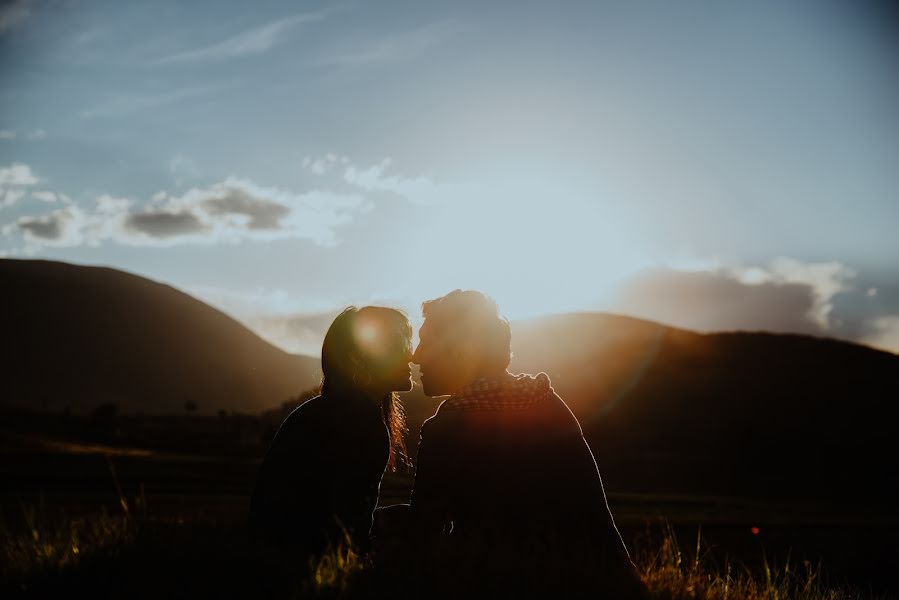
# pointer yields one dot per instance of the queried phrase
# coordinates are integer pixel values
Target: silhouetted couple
(504, 479)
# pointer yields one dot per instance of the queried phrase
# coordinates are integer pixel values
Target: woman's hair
(368, 341)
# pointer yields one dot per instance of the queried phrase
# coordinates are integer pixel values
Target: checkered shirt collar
(513, 392)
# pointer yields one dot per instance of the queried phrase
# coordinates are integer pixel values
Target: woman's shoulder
(310, 414)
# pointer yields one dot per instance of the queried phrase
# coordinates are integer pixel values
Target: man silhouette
(503, 464)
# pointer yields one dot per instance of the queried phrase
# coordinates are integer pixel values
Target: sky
(710, 165)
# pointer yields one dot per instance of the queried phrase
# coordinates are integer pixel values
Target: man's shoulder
(440, 420)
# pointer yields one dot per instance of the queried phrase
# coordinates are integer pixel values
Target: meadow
(95, 520)
(128, 552)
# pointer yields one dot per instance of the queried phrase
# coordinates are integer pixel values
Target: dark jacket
(506, 461)
(321, 475)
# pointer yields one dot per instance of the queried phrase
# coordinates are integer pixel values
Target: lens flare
(370, 337)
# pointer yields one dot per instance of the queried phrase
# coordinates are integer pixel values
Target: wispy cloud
(418, 189)
(398, 46)
(246, 43)
(129, 103)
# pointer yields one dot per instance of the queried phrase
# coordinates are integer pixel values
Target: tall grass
(128, 555)
(672, 572)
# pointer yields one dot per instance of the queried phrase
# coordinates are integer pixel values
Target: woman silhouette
(319, 482)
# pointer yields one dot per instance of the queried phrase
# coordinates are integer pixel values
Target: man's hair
(470, 317)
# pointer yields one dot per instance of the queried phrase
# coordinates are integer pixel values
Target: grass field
(131, 554)
(80, 519)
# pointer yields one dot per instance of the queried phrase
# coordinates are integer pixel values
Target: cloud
(14, 13)
(261, 213)
(415, 189)
(163, 225)
(398, 46)
(297, 333)
(717, 301)
(786, 295)
(130, 103)
(825, 279)
(885, 335)
(7, 134)
(48, 196)
(60, 228)
(13, 181)
(233, 211)
(324, 164)
(274, 314)
(17, 174)
(246, 43)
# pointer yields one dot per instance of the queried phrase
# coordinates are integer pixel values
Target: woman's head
(368, 350)
(366, 353)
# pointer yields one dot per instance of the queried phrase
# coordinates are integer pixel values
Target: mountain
(81, 336)
(752, 413)
(664, 409)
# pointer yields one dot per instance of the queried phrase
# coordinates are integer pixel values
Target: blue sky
(714, 166)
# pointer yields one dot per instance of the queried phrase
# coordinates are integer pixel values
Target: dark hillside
(82, 336)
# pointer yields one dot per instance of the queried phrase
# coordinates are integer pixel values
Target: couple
(502, 463)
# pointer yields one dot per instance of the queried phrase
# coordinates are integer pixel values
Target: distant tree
(222, 413)
(190, 406)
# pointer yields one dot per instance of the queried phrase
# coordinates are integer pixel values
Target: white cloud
(109, 205)
(233, 211)
(13, 180)
(886, 336)
(246, 43)
(17, 174)
(825, 279)
(8, 197)
(48, 196)
(14, 13)
(7, 134)
(421, 190)
(324, 164)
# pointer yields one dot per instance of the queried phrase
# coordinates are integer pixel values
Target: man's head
(462, 338)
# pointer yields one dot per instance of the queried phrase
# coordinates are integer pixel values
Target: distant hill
(79, 337)
(742, 413)
(664, 409)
